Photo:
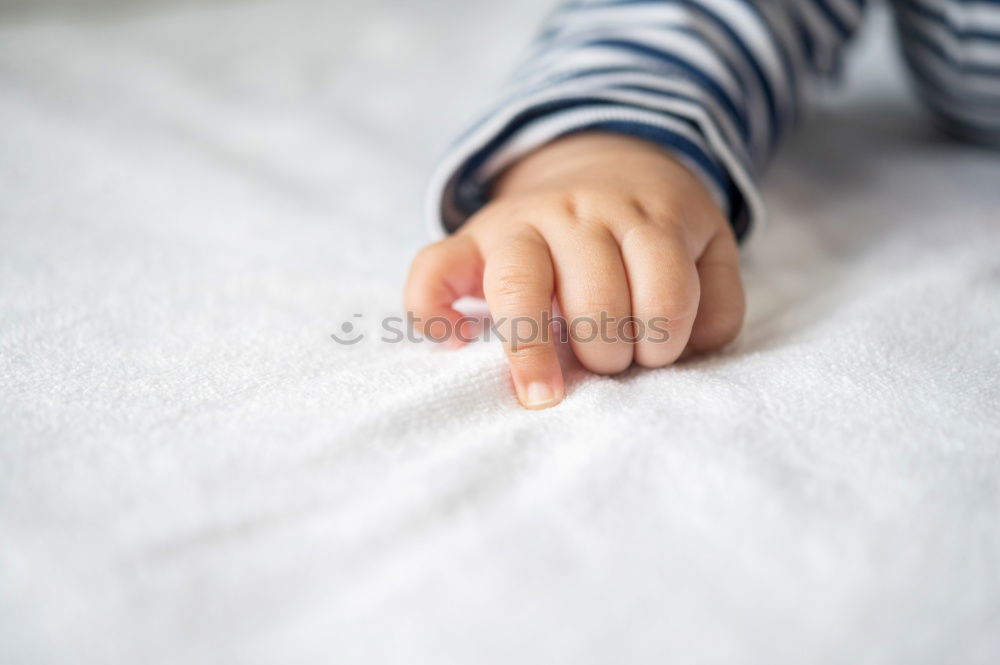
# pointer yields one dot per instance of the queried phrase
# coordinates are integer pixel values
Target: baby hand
(613, 227)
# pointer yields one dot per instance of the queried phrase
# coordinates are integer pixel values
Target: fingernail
(539, 395)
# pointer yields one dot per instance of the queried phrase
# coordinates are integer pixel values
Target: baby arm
(614, 227)
(618, 174)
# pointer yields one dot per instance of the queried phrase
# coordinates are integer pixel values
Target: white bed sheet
(192, 198)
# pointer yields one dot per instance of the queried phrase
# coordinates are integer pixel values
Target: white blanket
(193, 198)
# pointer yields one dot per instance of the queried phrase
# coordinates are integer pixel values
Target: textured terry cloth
(716, 82)
(192, 198)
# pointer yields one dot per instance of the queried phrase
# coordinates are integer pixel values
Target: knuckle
(580, 202)
(510, 283)
(526, 353)
(682, 307)
(640, 208)
(597, 312)
(643, 233)
(587, 207)
(570, 204)
(657, 206)
(592, 329)
(677, 306)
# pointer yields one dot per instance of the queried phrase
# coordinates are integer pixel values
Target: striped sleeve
(952, 48)
(716, 82)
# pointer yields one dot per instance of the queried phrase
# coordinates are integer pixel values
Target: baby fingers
(441, 274)
(518, 283)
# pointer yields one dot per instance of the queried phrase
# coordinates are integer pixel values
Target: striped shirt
(717, 82)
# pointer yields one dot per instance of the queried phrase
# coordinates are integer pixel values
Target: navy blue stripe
(738, 121)
(710, 85)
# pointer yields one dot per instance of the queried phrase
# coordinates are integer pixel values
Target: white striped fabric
(717, 82)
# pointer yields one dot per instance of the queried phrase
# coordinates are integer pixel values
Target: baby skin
(609, 226)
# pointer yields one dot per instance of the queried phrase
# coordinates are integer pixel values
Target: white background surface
(193, 198)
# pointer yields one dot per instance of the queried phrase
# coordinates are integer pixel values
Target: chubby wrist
(599, 160)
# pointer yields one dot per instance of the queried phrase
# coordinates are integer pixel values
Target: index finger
(518, 283)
